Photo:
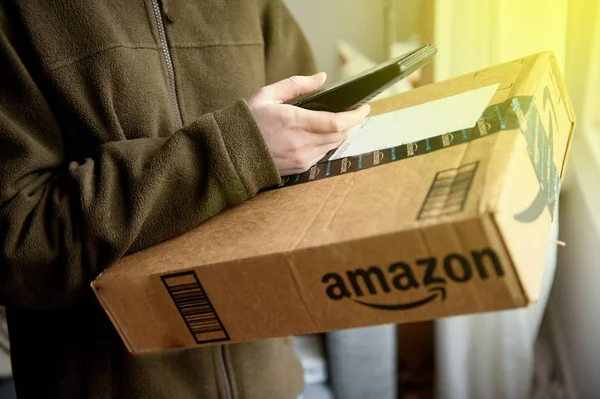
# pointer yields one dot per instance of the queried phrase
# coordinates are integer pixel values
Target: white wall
(407, 18)
(475, 34)
(574, 306)
(359, 22)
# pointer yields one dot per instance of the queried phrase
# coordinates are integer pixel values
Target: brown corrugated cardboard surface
(526, 240)
(378, 241)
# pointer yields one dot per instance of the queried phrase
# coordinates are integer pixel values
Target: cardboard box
(451, 225)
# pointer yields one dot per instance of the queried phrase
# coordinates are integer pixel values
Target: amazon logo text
(434, 273)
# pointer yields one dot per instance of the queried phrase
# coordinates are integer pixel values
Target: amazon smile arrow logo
(436, 291)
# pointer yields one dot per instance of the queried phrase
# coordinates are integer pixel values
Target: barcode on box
(195, 308)
(448, 192)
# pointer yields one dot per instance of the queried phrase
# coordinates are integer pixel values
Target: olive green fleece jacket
(103, 152)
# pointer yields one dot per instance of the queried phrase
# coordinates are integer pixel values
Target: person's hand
(298, 138)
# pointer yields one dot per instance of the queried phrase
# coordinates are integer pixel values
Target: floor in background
(317, 391)
(7, 390)
(416, 360)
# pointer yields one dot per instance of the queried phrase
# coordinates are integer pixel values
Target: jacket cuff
(247, 151)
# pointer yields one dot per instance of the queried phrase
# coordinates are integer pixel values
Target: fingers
(328, 122)
(291, 88)
(335, 138)
(304, 158)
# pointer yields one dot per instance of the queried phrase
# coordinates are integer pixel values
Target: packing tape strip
(507, 115)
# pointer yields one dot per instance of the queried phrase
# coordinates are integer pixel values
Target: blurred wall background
(362, 23)
(327, 21)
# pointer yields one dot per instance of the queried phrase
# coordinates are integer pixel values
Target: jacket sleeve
(63, 220)
(287, 50)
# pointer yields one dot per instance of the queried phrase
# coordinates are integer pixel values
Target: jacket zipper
(162, 35)
(224, 372)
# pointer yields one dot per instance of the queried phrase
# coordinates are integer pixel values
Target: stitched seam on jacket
(206, 45)
(73, 60)
(53, 66)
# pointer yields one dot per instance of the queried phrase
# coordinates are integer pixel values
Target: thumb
(290, 88)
